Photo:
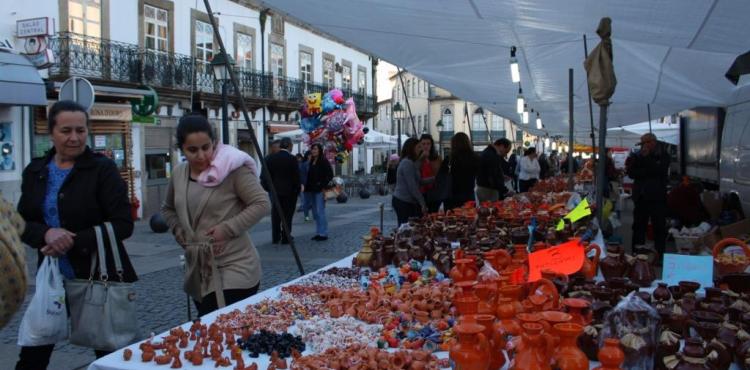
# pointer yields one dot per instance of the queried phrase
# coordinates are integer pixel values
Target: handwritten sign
(580, 211)
(566, 258)
(679, 267)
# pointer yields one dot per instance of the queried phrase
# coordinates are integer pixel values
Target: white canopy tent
(666, 132)
(373, 139)
(671, 54)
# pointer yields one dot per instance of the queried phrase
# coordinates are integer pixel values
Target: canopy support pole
(266, 175)
(601, 169)
(468, 122)
(487, 126)
(406, 97)
(588, 91)
(570, 120)
(648, 108)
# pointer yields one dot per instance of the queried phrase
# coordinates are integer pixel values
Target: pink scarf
(226, 159)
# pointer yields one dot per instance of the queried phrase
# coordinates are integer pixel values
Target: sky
(385, 87)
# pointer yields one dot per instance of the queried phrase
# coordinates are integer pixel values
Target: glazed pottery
(466, 288)
(588, 342)
(610, 355)
(495, 338)
(487, 294)
(642, 272)
(465, 269)
(548, 289)
(669, 344)
(534, 353)
(692, 357)
(661, 293)
(567, 355)
(506, 313)
(591, 264)
(579, 309)
(614, 264)
(471, 351)
(688, 286)
(466, 305)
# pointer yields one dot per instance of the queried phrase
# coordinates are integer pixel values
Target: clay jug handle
(550, 285)
(719, 247)
(597, 254)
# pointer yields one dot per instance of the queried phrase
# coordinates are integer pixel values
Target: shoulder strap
(113, 247)
(102, 256)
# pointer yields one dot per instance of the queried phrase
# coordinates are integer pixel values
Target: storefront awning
(20, 81)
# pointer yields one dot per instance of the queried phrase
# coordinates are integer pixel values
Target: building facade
(149, 62)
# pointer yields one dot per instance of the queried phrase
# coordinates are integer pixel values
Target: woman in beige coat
(211, 218)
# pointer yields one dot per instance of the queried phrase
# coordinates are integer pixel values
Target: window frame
(103, 22)
(157, 23)
(478, 125)
(361, 82)
(241, 29)
(447, 124)
(328, 81)
(166, 5)
(344, 65)
(311, 70)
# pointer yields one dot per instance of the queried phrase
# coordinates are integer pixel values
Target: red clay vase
(471, 351)
(568, 356)
(534, 353)
(591, 264)
(611, 355)
(580, 309)
(464, 270)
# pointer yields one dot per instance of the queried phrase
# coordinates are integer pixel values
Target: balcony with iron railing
(113, 61)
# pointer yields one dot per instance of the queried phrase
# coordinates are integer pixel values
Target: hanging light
(525, 114)
(538, 121)
(515, 73)
(519, 101)
(546, 142)
(554, 145)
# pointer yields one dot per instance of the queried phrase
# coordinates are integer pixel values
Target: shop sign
(44, 59)
(100, 141)
(148, 120)
(110, 112)
(32, 27)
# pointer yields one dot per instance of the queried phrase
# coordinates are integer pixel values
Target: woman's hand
(179, 236)
(58, 242)
(219, 237)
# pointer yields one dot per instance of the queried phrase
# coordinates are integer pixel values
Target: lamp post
(262, 18)
(220, 65)
(398, 114)
(439, 126)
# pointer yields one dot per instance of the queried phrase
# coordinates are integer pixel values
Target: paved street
(162, 302)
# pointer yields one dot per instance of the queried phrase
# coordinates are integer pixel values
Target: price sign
(679, 267)
(566, 258)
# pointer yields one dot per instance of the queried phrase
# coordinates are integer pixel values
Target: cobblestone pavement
(162, 303)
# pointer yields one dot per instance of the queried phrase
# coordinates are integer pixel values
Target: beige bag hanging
(12, 262)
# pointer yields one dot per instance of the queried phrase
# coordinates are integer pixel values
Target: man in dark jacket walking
(492, 171)
(648, 168)
(284, 171)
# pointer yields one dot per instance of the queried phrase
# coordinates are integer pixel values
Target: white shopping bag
(46, 319)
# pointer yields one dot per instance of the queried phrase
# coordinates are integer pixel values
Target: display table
(115, 360)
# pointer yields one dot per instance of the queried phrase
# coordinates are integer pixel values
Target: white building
(131, 49)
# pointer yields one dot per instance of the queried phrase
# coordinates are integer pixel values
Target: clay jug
(611, 355)
(642, 272)
(466, 305)
(487, 294)
(692, 357)
(465, 269)
(591, 264)
(495, 338)
(535, 351)
(520, 252)
(661, 293)
(514, 293)
(614, 264)
(364, 257)
(579, 309)
(506, 314)
(502, 259)
(568, 356)
(548, 289)
(471, 351)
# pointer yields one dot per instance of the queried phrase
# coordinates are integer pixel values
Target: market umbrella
(740, 67)
(602, 82)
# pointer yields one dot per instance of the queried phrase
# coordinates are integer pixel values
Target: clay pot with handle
(471, 351)
(591, 264)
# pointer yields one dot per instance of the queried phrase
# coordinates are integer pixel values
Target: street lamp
(440, 126)
(220, 66)
(398, 114)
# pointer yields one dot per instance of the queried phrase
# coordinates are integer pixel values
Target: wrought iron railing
(107, 60)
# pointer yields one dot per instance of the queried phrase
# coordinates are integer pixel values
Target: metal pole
(382, 210)
(262, 18)
(398, 134)
(406, 98)
(224, 115)
(648, 107)
(265, 174)
(601, 169)
(570, 119)
(588, 91)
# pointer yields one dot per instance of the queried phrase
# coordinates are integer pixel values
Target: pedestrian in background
(463, 166)
(210, 219)
(304, 168)
(390, 176)
(284, 172)
(492, 171)
(530, 170)
(407, 200)
(429, 166)
(274, 147)
(64, 196)
(319, 176)
(649, 169)
(513, 170)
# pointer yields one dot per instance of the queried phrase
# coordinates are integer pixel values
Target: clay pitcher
(535, 353)
(465, 269)
(580, 309)
(507, 323)
(487, 294)
(611, 355)
(568, 356)
(591, 264)
(471, 351)
(642, 272)
(495, 338)
(614, 264)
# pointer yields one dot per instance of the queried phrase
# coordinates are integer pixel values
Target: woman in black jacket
(463, 166)
(64, 195)
(319, 175)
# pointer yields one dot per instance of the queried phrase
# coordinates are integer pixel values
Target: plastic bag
(636, 324)
(46, 319)
(487, 273)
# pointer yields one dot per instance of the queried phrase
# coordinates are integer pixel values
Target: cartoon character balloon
(331, 120)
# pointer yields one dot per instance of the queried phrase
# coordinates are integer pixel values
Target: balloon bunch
(331, 122)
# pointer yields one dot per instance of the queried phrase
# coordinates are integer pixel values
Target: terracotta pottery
(692, 357)
(661, 293)
(568, 356)
(579, 309)
(502, 259)
(591, 264)
(642, 272)
(465, 269)
(688, 286)
(466, 288)
(487, 294)
(614, 264)
(466, 305)
(506, 313)
(548, 289)
(588, 342)
(561, 281)
(470, 352)
(496, 340)
(520, 252)
(514, 293)
(552, 318)
(611, 355)
(669, 345)
(535, 353)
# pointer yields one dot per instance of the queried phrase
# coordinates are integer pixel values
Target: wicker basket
(725, 263)
(696, 244)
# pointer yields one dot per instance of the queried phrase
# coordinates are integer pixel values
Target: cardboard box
(740, 230)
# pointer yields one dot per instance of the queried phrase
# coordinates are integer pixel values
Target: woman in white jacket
(529, 173)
